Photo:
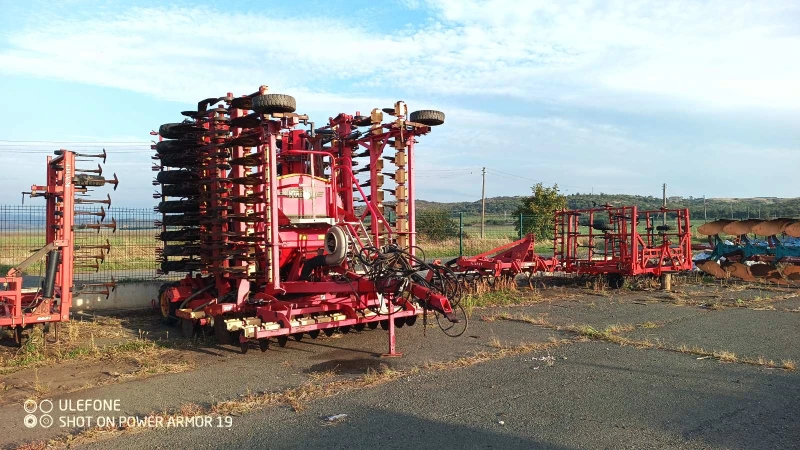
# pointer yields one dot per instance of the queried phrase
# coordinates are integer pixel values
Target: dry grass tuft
(789, 364)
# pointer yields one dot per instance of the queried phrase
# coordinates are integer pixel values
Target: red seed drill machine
(279, 237)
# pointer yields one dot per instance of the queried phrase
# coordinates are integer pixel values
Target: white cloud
(712, 54)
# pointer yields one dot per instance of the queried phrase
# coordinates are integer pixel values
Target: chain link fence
(132, 245)
(444, 235)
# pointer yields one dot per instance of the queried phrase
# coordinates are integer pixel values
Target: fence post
(520, 226)
(460, 234)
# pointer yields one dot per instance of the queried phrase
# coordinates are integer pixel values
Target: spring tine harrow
(101, 214)
(106, 202)
(106, 247)
(97, 226)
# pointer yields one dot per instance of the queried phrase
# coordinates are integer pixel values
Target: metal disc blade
(792, 273)
(793, 229)
(740, 271)
(712, 268)
(771, 227)
(740, 227)
(712, 228)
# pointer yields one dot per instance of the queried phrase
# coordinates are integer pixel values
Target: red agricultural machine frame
(507, 260)
(22, 308)
(614, 245)
(271, 235)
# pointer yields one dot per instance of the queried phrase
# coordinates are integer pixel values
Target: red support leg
(393, 353)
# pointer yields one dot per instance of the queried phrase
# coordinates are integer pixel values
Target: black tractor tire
(427, 117)
(179, 160)
(274, 103)
(180, 250)
(178, 206)
(177, 130)
(180, 220)
(173, 146)
(175, 176)
(602, 226)
(242, 103)
(174, 266)
(180, 190)
(179, 235)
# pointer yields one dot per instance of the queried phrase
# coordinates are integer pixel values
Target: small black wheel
(243, 346)
(274, 103)
(359, 327)
(427, 117)
(298, 337)
(399, 322)
(18, 338)
(345, 329)
(664, 227)
(263, 344)
(177, 130)
(615, 280)
(168, 308)
(373, 325)
(221, 331)
(411, 320)
(328, 331)
(187, 326)
(282, 340)
(385, 324)
(314, 334)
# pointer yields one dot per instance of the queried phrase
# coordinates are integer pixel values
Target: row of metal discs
(182, 155)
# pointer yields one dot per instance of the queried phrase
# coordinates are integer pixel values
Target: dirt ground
(675, 347)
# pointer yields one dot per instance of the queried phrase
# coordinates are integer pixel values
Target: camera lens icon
(45, 406)
(46, 421)
(30, 406)
(30, 421)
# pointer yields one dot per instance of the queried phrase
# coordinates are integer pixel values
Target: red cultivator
(507, 260)
(22, 308)
(268, 226)
(622, 241)
(611, 241)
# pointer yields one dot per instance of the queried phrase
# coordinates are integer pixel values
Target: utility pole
(664, 202)
(483, 201)
(705, 212)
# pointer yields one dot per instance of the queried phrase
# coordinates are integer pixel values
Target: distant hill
(716, 208)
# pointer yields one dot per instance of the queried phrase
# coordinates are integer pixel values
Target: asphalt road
(593, 394)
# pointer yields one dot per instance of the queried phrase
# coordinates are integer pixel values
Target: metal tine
(99, 257)
(112, 285)
(105, 292)
(96, 267)
(101, 214)
(86, 201)
(98, 171)
(97, 226)
(106, 246)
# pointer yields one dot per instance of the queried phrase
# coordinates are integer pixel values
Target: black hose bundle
(392, 269)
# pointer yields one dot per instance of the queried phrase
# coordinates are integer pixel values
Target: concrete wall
(133, 295)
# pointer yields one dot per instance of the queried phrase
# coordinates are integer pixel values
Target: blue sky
(611, 96)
